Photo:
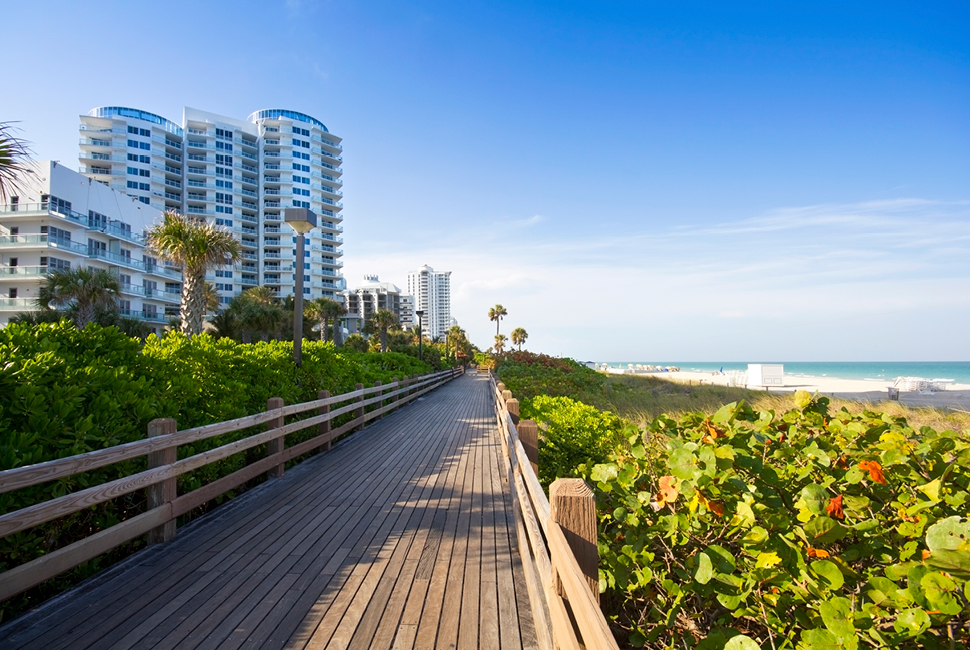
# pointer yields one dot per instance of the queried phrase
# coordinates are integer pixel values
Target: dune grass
(641, 399)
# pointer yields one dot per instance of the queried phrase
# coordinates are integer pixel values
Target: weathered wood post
(275, 446)
(572, 505)
(512, 406)
(529, 437)
(394, 397)
(324, 427)
(380, 403)
(501, 388)
(162, 492)
(359, 411)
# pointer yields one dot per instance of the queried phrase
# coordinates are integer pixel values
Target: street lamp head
(302, 220)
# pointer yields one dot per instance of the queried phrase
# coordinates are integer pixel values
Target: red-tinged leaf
(834, 508)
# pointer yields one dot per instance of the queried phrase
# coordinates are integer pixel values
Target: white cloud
(873, 280)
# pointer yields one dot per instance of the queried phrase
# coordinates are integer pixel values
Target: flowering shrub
(527, 375)
(807, 530)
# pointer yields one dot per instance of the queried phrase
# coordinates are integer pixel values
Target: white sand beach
(955, 396)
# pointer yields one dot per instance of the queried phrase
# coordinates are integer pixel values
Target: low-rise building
(63, 220)
(373, 295)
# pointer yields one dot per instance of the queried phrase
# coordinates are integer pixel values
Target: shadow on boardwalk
(401, 536)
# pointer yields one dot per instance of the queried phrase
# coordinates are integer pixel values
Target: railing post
(359, 411)
(380, 404)
(275, 446)
(164, 491)
(572, 505)
(501, 388)
(404, 384)
(529, 437)
(394, 398)
(512, 406)
(324, 427)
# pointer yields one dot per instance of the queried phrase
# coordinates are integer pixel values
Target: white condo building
(432, 295)
(368, 298)
(64, 220)
(240, 174)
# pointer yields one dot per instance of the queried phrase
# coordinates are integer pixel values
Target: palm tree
(87, 291)
(519, 335)
(196, 246)
(212, 301)
(14, 161)
(323, 310)
(454, 334)
(383, 320)
(496, 313)
(500, 343)
(258, 311)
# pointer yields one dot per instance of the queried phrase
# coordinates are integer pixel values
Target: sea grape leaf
(950, 534)
(912, 621)
(824, 530)
(604, 473)
(705, 570)
(820, 639)
(723, 561)
(741, 642)
(939, 591)
(837, 616)
(767, 560)
(829, 573)
(956, 563)
(815, 498)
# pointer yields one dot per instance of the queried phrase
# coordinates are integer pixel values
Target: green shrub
(571, 434)
(806, 529)
(65, 391)
(528, 375)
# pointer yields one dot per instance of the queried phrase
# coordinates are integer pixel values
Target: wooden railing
(164, 505)
(557, 540)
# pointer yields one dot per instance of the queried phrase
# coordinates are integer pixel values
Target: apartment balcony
(326, 154)
(249, 256)
(326, 272)
(272, 204)
(195, 210)
(192, 196)
(329, 143)
(98, 129)
(278, 254)
(249, 218)
(168, 142)
(202, 184)
(152, 317)
(193, 131)
(271, 192)
(102, 143)
(326, 165)
(168, 169)
(330, 227)
(249, 243)
(173, 296)
(247, 205)
(249, 230)
(199, 171)
(196, 157)
(272, 179)
(271, 167)
(248, 156)
(272, 229)
(43, 241)
(275, 241)
(271, 154)
(102, 171)
(96, 157)
(248, 168)
(33, 210)
(246, 143)
(172, 156)
(17, 304)
(22, 272)
(251, 282)
(251, 193)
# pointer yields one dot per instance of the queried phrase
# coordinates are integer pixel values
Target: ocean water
(959, 371)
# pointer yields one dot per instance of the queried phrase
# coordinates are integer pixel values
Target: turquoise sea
(959, 371)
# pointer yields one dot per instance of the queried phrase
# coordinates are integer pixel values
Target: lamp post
(302, 221)
(419, 313)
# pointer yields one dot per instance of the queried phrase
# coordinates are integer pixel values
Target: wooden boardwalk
(401, 536)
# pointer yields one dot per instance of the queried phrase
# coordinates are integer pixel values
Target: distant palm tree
(212, 300)
(496, 313)
(14, 161)
(325, 310)
(258, 311)
(384, 320)
(499, 343)
(519, 335)
(87, 291)
(196, 246)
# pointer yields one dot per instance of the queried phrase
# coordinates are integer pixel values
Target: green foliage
(806, 529)
(571, 434)
(527, 375)
(66, 391)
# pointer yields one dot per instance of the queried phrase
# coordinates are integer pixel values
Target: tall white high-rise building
(432, 295)
(239, 174)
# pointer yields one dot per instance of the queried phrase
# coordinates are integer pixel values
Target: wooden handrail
(31, 475)
(565, 609)
(165, 468)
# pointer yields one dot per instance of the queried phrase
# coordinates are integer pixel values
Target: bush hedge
(65, 391)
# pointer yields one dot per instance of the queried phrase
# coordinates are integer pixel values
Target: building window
(13, 292)
(225, 184)
(145, 200)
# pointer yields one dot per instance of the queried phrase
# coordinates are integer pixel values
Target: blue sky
(642, 180)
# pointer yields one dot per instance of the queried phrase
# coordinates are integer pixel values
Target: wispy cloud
(841, 277)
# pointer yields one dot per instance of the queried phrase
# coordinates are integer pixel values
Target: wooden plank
(471, 598)
(536, 494)
(488, 618)
(20, 578)
(592, 624)
(537, 544)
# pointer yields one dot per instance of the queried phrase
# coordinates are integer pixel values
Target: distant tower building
(432, 295)
(373, 295)
(239, 174)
